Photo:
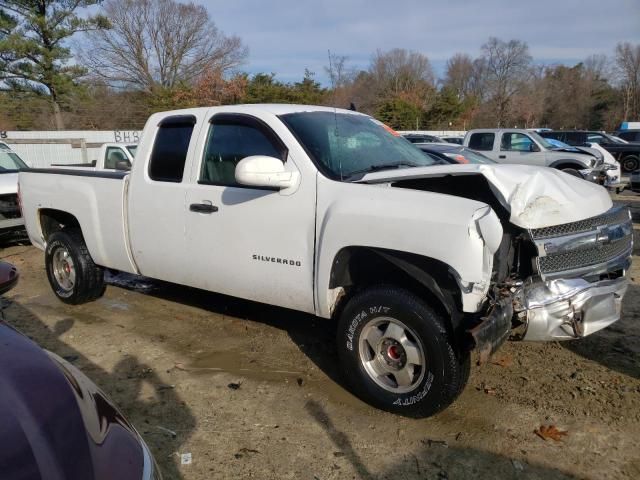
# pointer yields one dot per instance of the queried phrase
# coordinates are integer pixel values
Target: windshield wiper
(356, 175)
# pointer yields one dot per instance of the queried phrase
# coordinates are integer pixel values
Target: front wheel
(630, 164)
(572, 171)
(397, 354)
(72, 274)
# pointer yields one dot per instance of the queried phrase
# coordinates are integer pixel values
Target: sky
(287, 36)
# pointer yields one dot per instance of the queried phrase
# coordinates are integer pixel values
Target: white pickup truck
(10, 218)
(329, 212)
(512, 145)
(111, 156)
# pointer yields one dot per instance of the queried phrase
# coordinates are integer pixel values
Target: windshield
(132, 149)
(9, 161)
(557, 143)
(349, 145)
(541, 140)
(615, 139)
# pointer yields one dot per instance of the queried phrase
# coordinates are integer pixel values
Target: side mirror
(533, 147)
(123, 165)
(264, 171)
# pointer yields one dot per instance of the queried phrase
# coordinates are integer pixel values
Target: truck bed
(95, 198)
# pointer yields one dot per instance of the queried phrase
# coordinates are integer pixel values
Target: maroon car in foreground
(55, 424)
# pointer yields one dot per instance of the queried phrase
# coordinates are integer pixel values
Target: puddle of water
(240, 364)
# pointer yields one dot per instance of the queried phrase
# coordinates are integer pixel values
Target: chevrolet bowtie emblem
(603, 237)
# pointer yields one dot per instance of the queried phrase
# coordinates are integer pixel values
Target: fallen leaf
(489, 390)
(550, 432)
(504, 361)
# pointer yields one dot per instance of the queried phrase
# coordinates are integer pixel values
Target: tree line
(94, 64)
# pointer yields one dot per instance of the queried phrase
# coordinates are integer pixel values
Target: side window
(169, 152)
(113, 155)
(515, 142)
(573, 138)
(482, 141)
(231, 140)
(630, 136)
(595, 138)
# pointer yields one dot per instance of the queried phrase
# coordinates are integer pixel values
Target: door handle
(203, 208)
(502, 156)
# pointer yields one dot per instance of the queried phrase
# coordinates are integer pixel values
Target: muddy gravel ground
(253, 391)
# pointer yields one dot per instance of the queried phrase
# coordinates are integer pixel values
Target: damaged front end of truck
(557, 260)
(577, 282)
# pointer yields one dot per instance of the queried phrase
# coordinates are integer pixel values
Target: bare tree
(159, 43)
(507, 68)
(338, 71)
(628, 69)
(459, 75)
(401, 71)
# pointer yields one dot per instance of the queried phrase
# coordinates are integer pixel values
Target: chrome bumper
(565, 309)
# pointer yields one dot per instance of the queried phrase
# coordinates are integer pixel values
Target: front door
(520, 148)
(254, 243)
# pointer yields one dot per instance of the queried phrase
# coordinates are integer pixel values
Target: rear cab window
(169, 153)
(482, 141)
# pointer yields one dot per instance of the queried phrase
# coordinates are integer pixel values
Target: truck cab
(111, 157)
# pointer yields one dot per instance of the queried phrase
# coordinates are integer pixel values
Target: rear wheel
(630, 164)
(72, 274)
(397, 353)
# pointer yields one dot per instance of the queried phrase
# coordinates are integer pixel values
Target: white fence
(40, 149)
(437, 133)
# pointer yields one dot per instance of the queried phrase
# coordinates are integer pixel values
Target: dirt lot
(253, 391)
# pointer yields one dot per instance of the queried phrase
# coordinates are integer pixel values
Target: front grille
(9, 207)
(585, 257)
(612, 217)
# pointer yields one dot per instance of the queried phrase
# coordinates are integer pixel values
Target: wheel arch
(52, 220)
(357, 267)
(568, 163)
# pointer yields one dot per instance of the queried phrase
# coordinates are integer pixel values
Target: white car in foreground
(329, 212)
(10, 217)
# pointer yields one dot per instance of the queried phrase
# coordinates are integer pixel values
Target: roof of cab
(273, 108)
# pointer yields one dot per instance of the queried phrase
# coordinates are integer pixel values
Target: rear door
(157, 201)
(520, 148)
(249, 242)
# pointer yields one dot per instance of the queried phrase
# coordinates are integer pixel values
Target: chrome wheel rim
(392, 354)
(64, 270)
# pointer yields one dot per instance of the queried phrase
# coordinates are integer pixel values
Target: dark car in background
(629, 135)
(422, 138)
(628, 154)
(55, 423)
(454, 154)
(456, 140)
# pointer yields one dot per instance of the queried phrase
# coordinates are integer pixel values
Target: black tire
(88, 278)
(572, 171)
(435, 385)
(630, 164)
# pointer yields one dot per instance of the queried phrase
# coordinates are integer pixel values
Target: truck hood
(8, 183)
(535, 197)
